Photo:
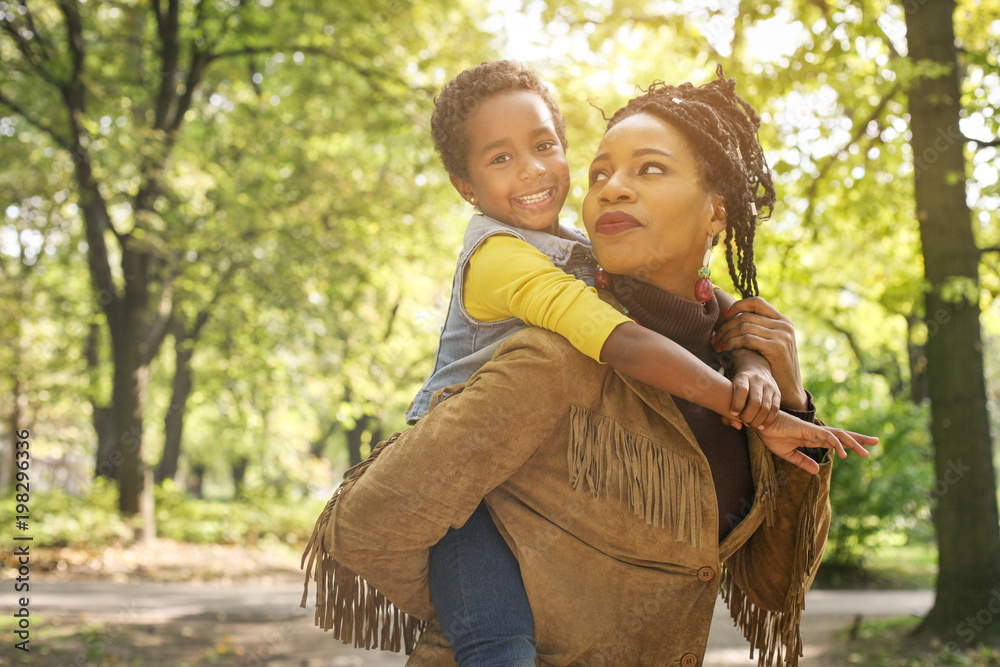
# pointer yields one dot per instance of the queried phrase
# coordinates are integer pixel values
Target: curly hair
(460, 97)
(721, 128)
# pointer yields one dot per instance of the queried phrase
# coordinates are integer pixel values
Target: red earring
(601, 278)
(703, 288)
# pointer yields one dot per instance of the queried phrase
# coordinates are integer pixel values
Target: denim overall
(474, 579)
(467, 343)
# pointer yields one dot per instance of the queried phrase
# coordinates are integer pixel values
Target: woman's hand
(756, 398)
(756, 325)
(787, 434)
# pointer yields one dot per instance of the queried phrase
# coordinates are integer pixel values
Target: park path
(292, 639)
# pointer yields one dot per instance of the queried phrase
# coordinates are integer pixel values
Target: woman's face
(648, 212)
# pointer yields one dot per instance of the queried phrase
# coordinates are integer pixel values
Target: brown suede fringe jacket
(602, 492)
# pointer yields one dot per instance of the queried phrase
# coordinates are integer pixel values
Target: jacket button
(689, 660)
(706, 573)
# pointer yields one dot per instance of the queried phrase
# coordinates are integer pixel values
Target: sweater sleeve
(508, 277)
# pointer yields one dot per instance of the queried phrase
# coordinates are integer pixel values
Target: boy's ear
(464, 188)
(719, 220)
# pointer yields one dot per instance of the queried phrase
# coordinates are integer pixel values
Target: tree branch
(168, 29)
(31, 120)
(982, 144)
(74, 36)
(73, 90)
(893, 52)
(859, 131)
(205, 312)
(25, 47)
(199, 61)
(257, 50)
(159, 328)
(890, 372)
(42, 41)
(374, 77)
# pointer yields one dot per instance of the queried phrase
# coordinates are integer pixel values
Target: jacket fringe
(655, 482)
(352, 608)
(767, 488)
(777, 634)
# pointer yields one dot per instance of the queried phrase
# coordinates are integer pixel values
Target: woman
(674, 505)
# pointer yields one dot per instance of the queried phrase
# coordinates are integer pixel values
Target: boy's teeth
(534, 199)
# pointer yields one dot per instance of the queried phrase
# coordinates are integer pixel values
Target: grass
(61, 641)
(908, 566)
(886, 642)
(61, 519)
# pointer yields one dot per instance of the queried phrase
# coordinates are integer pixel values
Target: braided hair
(721, 128)
(460, 97)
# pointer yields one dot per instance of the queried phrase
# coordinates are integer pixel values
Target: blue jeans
(479, 597)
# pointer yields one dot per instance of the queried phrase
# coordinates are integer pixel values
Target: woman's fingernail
(727, 310)
(712, 339)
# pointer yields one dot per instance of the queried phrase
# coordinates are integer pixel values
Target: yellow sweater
(508, 277)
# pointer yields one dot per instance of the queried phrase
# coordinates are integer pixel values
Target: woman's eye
(652, 168)
(597, 177)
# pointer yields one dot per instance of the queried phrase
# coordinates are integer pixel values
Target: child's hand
(756, 398)
(787, 433)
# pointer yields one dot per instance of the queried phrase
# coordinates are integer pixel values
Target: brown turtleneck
(690, 324)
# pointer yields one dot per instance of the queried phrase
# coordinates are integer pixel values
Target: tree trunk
(125, 462)
(127, 322)
(317, 446)
(197, 485)
(173, 426)
(239, 469)
(376, 434)
(918, 363)
(965, 518)
(354, 436)
(102, 415)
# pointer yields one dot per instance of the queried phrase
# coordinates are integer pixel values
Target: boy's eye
(546, 145)
(500, 159)
(652, 168)
(597, 177)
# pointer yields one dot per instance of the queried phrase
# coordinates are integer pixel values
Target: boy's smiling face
(517, 167)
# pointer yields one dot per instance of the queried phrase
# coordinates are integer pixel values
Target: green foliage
(60, 519)
(261, 517)
(296, 208)
(301, 209)
(841, 254)
(886, 642)
(886, 497)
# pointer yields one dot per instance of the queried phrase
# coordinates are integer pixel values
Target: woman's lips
(615, 222)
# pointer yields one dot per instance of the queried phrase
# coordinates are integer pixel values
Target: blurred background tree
(227, 242)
